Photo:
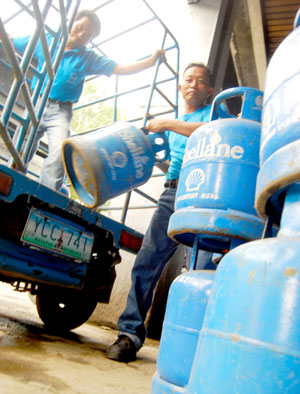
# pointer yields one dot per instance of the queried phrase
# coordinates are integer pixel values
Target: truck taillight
(130, 241)
(6, 182)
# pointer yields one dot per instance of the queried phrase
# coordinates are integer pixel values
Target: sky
(115, 17)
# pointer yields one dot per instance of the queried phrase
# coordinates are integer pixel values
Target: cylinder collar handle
(251, 108)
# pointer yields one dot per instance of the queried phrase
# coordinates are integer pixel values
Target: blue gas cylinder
(215, 194)
(280, 138)
(161, 386)
(187, 301)
(250, 340)
(110, 161)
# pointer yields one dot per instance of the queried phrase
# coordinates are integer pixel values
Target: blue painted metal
(250, 341)
(34, 190)
(160, 386)
(215, 195)
(33, 266)
(187, 300)
(251, 107)
(49, 70)
(111, 161)
(280, 139)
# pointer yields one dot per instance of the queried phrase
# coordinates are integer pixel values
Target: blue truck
(52, 246)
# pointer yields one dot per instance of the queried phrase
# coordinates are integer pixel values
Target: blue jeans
(56, 123)
(156, 251)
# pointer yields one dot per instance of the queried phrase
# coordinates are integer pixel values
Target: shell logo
(194, 180)
(120, 159)
(215, 139)
(259, 101)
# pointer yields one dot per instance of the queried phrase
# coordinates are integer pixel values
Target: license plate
(48, 233)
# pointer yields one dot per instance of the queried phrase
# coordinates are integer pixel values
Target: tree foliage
(94, 115)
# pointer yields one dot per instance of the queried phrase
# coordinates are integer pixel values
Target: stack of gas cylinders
(237, 330)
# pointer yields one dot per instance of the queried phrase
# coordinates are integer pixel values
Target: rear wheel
(64, 310)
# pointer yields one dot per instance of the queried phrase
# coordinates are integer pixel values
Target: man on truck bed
(157, 248)
(77, 63)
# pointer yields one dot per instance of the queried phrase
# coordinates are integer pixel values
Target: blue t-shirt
(75, 65)
(177, 142)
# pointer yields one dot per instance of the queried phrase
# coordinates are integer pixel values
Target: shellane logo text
(136, 151)
(213, 148)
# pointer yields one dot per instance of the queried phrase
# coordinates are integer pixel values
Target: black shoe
(122, 350)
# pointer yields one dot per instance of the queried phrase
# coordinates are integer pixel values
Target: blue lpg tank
(215, 195)
(110, 161)
(187, 301)
(280, 138)
(250, 340)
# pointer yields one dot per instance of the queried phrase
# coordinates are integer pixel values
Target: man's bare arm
(132, 68)
(178, 126)
(163, 166)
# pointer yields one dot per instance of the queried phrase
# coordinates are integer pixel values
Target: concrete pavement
(34, 361)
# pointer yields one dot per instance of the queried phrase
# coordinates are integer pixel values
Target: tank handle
(251, 108)
(297, 19)
(159, 143)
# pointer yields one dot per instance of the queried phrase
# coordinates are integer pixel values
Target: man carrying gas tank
(77, 63)
(157, 247)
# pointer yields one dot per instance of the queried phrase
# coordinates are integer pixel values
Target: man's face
(195, 87)
(81, 33)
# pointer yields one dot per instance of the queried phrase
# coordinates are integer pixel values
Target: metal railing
(28, 113)
(35, 101)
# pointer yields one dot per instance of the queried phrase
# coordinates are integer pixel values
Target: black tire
(64, 310)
